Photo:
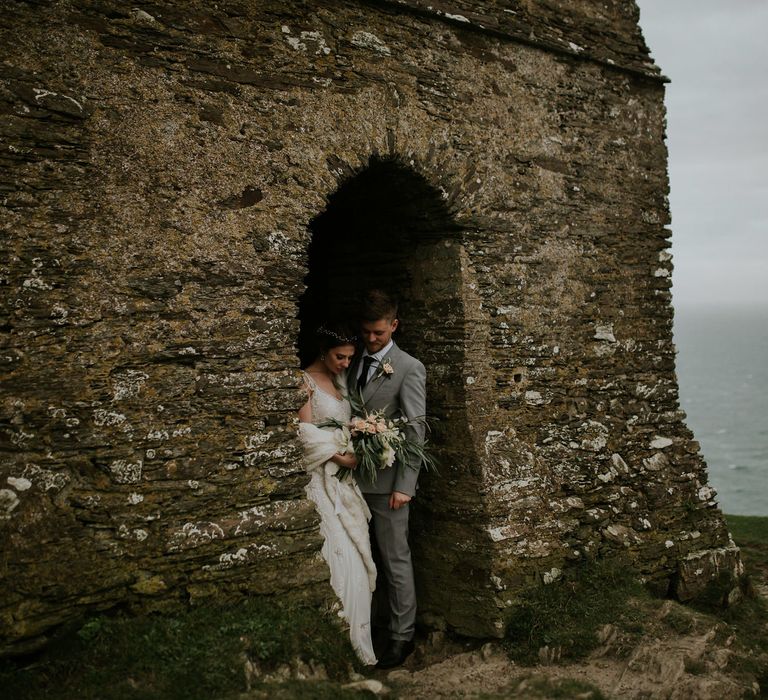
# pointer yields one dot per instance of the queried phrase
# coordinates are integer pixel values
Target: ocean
(722, 370)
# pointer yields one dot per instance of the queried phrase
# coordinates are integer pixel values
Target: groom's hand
(398, 499)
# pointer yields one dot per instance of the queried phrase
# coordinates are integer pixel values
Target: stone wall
(165, 167)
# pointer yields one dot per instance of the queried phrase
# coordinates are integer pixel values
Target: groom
(390, 379)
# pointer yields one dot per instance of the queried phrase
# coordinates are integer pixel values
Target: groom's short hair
(377, 304)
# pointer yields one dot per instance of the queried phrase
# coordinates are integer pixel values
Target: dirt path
(674, 653)
(681, 655)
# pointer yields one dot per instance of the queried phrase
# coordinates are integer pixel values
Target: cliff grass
(535, 687)
(562, 620)
(750, 532)
(201, 654)
(205, 652)
(750, 617)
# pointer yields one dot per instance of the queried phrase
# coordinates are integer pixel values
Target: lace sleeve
(310, 384)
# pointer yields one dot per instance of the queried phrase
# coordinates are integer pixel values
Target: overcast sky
(716, 54)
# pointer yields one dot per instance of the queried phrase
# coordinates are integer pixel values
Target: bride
(344, 514)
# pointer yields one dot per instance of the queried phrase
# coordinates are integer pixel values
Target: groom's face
(376, 334)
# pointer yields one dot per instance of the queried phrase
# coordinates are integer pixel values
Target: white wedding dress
(344, 517)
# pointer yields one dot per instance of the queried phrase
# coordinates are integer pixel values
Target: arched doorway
(388, 227)
(373, 233)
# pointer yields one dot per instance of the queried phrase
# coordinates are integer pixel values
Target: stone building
(187, 188)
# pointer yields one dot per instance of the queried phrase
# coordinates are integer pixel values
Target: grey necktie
(362, 380)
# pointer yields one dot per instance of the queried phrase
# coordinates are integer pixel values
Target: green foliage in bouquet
(379, 442)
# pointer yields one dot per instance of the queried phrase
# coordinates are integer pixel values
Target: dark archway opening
(388, 227)
(375, 229)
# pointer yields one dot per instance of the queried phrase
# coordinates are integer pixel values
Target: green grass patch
(199, 654)
(568, 613)
(680, 620)
(563, 688)
(748, 619)
(753, 528)
(549, 688)
(750, 532)
(316, 690)
(750, 616)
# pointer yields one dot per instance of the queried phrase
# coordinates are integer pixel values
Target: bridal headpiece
(336, 336)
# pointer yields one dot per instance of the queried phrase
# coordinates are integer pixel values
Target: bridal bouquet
(378, 442)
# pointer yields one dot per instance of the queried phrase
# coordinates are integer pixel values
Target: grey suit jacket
(402, 393)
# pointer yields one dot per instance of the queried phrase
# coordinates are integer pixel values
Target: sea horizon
(722, 367)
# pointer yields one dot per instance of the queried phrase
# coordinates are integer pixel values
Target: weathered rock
(177, 175)
(369, 685)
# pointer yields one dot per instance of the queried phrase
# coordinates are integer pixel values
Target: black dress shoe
(380, 640)
(397, 652)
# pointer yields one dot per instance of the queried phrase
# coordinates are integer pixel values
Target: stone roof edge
(467, 21)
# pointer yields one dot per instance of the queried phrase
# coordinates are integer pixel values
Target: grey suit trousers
(390, 530)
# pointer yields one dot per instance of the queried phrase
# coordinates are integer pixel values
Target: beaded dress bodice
(325, 405)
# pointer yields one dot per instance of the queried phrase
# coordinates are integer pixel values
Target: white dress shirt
(378, 357)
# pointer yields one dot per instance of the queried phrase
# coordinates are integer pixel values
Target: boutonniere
(385, 369)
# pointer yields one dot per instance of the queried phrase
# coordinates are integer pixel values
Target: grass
(680, 620)
(567, 614)
(748, 619)
(200, 654)
(750, 533)
(561, 688)
(301, 690)
(748, 622)
(549, 688)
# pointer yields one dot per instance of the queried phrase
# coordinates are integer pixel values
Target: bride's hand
(348, 461)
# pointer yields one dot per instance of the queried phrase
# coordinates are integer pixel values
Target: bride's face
(337, 359)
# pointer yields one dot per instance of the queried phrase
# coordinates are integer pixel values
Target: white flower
(387, 457)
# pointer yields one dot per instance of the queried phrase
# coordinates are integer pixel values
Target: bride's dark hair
(333, 334)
